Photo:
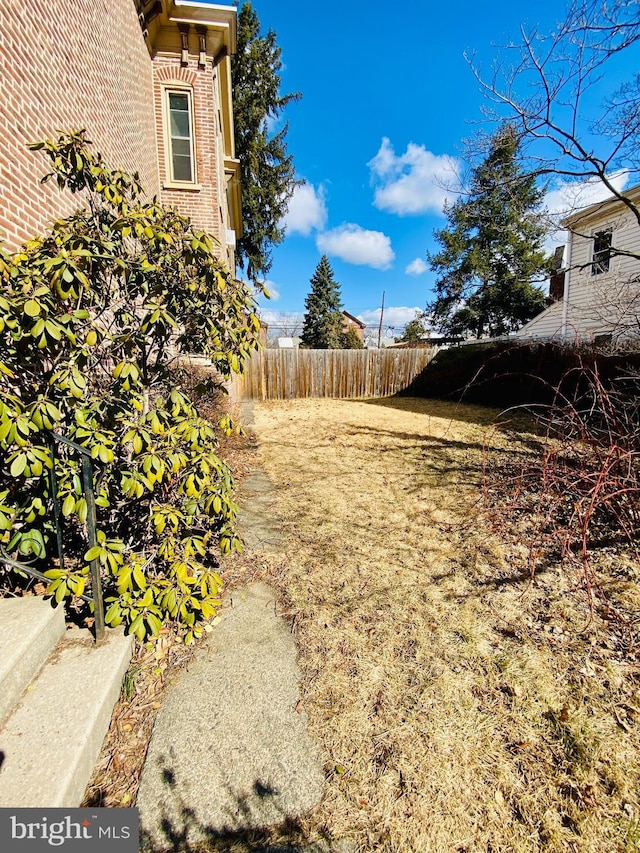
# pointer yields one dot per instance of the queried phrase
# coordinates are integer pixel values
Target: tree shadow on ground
(522, 578)
(185, 833)
(513, 419)
(179, 828)
(425, 440)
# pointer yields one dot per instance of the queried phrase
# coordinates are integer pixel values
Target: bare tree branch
(551, 93)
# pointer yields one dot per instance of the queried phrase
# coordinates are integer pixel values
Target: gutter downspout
(567, 288)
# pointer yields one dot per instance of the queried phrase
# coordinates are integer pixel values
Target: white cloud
(394, 317)
(307, 210)
(355, 245)
(567, 198)
(273, 124)
(272, 290)
(415, 182)
(416, 267)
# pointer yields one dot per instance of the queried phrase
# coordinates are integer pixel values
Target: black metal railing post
(89, 496)
(53, 482)
(92, 527)
(96, 582)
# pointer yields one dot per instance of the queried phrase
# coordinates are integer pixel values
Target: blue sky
(387, 100)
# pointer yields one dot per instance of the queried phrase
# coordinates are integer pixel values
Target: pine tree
(266, 169)
(323, 316)
(492, 249)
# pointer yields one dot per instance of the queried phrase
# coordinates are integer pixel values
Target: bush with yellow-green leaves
(92, 316)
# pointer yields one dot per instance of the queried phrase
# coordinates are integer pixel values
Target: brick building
(351, 322)
(150, 81)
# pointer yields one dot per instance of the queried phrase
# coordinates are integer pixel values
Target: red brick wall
(203, 204)
(69, 64)
(348, 323)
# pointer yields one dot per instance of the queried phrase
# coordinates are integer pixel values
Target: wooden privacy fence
(284, 374)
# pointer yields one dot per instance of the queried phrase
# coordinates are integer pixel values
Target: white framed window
(180, 136)
(601, 257)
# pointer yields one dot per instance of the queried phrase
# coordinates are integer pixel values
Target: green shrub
(350, 339)
(92, 317)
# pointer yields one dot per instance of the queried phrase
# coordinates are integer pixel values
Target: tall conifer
(323, 316)
(492, 250)
(266, 168)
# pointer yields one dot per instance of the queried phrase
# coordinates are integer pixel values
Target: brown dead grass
(458, 705)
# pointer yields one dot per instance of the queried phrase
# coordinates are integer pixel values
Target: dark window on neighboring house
(181, 136)
(601, 252)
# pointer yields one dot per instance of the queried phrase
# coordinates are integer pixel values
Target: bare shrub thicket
(580, 495)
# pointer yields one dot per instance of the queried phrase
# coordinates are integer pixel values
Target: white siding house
(601, 294)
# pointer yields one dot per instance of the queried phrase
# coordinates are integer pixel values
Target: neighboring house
(598, 289)
(149, 80)
(351, 322)
(289, 342)
(371, 341)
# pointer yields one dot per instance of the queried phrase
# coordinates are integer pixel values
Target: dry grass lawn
(458, 705)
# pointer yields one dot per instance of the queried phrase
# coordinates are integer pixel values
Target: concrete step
(29, 631)
(50, 743)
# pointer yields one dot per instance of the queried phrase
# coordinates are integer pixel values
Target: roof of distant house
(633, 193)
(354, 319)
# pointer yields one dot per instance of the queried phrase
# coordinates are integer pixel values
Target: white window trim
(170, 183)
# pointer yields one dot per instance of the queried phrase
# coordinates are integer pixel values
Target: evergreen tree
(492, 249)
(266, 169)
(322, 326)
(350, 339)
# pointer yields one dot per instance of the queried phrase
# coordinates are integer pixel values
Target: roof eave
(593, 210)
(217, 16)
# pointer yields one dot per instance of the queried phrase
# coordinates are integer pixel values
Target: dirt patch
(459, 706)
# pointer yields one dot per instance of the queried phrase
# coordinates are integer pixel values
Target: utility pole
(380, 326)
